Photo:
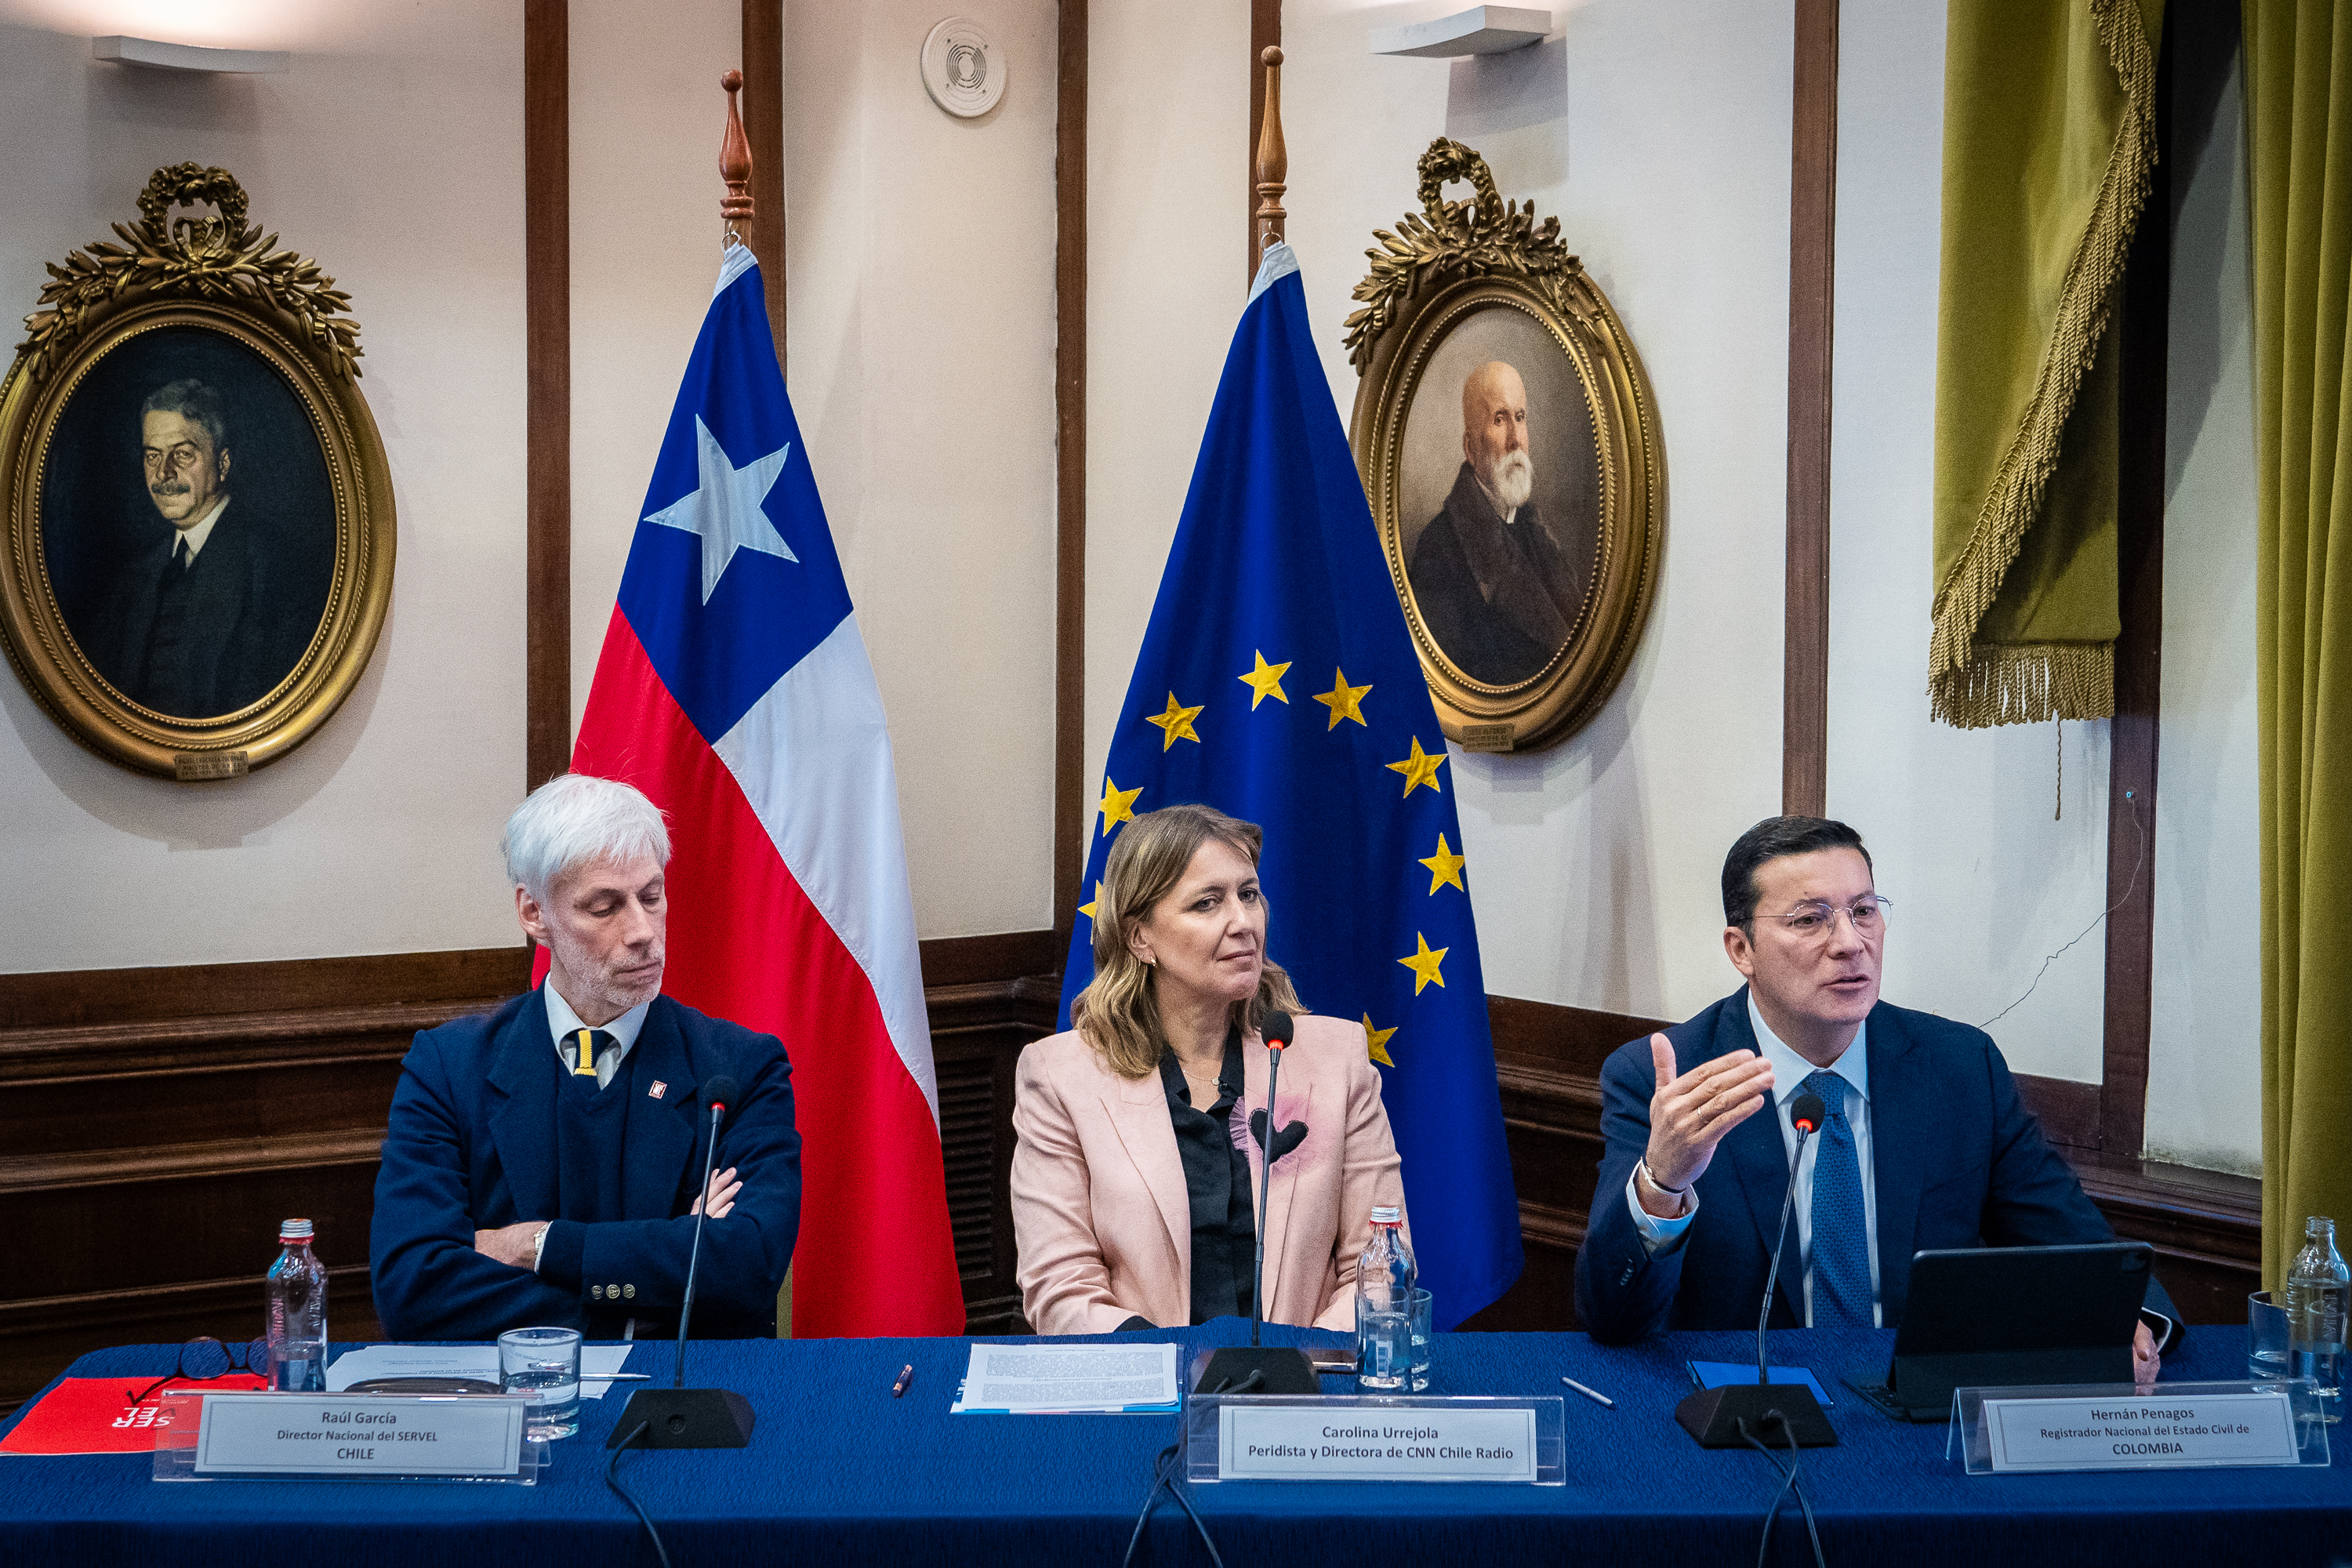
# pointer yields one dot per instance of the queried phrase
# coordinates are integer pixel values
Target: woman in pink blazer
(1135, 1178)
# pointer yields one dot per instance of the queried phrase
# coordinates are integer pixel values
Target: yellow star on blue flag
(1276, 573)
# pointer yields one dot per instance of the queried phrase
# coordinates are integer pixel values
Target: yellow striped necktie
(586, 1046)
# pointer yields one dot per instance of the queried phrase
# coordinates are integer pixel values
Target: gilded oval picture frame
(1507, 441)
(200, 528)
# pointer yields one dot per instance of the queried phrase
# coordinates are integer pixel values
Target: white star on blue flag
(727, 510)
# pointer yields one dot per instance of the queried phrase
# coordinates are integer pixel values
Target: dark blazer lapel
(664, 1143)
(1902, 1110)
(1761, 1159)
(522, 1109)
(217, 594)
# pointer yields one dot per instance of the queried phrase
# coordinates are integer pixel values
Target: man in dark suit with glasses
(1925, 1143)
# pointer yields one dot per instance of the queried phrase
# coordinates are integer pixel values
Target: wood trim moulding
(1812, 246)
(763, 126)
(1069, 470)
(85, 1168)
(2144, 340)
(175, 1303)
(175, 994)
(2068, 1111)
(1266, 32)
(547, 398)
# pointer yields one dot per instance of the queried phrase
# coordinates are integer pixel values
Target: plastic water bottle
(2318, 1295)
(1385, 1281)
(297, 1313)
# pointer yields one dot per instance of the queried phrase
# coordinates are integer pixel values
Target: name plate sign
(359, 1436)
(2138, 1432)
(1304, 1443)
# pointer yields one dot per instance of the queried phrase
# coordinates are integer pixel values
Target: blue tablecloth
(839, 1472)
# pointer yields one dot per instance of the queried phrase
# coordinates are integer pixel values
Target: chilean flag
(734, 690)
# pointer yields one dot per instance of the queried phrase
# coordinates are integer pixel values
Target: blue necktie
(1840, 1234)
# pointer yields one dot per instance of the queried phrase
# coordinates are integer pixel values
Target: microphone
(679, 1416)
(1735, 1414)
(1263, 1371)
(1805, 1115)
(718, 1094)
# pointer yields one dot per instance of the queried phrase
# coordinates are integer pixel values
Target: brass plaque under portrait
(199, 526)
(1509, 445)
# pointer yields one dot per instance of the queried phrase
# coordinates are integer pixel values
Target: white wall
(1167, 172)
(2204, 1079)
(922, 364)
(646, 117)
(380, 832)
(1663, 145)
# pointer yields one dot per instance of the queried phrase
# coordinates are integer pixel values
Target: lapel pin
(657, 1089)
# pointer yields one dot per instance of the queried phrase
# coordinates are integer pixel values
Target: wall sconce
(188, 57)
(1481, 30)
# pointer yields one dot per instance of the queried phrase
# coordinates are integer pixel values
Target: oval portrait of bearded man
(1499, 498)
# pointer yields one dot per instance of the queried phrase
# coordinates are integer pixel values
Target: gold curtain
(2298, 83)
(2049, 139)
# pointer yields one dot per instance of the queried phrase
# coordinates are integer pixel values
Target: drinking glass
(1418, 1314)
(543, 1365)
(2266, 1339)
(1383, 1341)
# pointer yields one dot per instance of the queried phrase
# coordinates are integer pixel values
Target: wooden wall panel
(155, 1134)
(159, 1123)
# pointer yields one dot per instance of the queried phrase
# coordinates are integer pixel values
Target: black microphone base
(1280, 1371)
(1772, 1411)
(685, 1418)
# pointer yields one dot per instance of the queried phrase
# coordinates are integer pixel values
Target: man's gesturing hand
(1690, 1114)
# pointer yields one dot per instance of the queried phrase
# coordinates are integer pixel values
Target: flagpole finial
(1273, 157)
(734, 162)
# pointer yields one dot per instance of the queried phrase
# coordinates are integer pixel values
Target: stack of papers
(1060, 1380)
(462, 1361)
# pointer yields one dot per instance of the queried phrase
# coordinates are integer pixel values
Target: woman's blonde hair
(1118, 1014)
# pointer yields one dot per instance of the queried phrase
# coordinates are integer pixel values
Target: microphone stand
(678, 1416)
(1276, 1370)
(1732, 1416)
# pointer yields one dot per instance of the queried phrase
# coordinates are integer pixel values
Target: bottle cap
(294, 1230)
(1384, 1214)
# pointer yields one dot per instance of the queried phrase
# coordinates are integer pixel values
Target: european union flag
(1278, 683)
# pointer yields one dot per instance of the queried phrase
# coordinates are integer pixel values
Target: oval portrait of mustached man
(188, 522)
(1499, 497)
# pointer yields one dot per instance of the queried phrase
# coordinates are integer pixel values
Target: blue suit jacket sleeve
(1959, 1161)
(1621, 1292)
(430, 1283)
(444, 1176)
(745, 1253)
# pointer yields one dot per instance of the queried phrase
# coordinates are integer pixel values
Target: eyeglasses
(204, 1358)
(1817, 919)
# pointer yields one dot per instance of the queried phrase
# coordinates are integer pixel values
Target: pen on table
(906, 1379)
(617, 1377)
(1592, 1393)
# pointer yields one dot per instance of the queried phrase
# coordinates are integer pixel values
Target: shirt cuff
(1659, 1235)
(564, 1253)
(2160, 1326)
(538, 1248)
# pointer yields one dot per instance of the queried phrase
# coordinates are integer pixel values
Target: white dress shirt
(1789, 1071)
(195, 534)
